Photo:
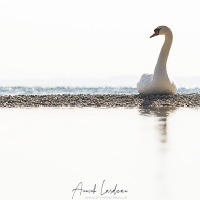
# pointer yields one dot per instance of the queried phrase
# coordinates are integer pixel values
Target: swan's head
(161, 30)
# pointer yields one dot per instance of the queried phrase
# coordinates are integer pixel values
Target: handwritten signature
(80, 189)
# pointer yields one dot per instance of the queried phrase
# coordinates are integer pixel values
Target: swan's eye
(157, 30)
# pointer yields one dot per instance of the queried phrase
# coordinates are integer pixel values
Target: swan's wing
(173, 87)
(147, 86)
(146, 78)
(172, 82)
(144, 83)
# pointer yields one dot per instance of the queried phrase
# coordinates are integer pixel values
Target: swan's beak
(155, 34)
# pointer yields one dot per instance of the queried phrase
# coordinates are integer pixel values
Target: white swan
(159, 82)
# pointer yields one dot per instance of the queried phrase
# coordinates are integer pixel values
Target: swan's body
(159, 82)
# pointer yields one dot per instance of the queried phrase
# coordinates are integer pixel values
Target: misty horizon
(114, 81)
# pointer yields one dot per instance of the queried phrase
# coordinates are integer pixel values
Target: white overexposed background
(81, 39)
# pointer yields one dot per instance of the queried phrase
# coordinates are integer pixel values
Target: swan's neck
(160, 69)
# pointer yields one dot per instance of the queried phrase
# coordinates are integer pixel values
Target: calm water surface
(79, 90)
(45, 153)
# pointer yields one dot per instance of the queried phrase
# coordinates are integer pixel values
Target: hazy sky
(95, 38)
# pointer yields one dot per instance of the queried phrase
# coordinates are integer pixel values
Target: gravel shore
(106, 101)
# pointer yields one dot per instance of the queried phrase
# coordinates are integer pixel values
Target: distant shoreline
(101, 101)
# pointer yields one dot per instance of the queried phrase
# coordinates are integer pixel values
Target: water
(154, 154)
(79, 90)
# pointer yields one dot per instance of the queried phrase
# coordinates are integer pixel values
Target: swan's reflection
(161, 114)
